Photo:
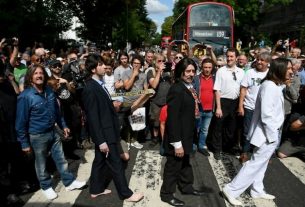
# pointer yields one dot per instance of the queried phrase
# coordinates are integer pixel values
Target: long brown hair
(29, 75)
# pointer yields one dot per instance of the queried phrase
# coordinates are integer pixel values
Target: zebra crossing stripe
(146, 178)
(295, 166)
(225, 170)
(65, 198)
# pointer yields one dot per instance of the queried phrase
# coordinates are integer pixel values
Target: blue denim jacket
(36, 113)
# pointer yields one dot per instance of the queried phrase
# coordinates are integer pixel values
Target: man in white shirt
(226, 87)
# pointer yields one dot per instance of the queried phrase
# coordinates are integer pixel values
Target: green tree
(34, 20)
(166, 28)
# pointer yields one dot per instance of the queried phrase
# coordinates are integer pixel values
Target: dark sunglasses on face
(56, 66)
(159, 61)
(178, 57)
(234, 76)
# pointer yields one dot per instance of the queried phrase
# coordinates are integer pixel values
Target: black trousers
(224, 127)
(103, 167)
(177, 171)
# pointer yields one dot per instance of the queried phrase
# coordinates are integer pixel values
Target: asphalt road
(284, 178)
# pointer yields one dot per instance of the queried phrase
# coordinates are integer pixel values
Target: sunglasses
(159, 61)
(234, 76)
(178, 57)
(56, 66)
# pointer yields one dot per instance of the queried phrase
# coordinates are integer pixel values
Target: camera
(9, 41)
(78, 76)
(168, 67)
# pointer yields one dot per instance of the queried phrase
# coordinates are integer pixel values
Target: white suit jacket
(268, 115)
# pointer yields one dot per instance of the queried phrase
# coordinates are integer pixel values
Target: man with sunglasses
(226, 88)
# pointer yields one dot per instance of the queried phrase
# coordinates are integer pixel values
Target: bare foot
(106, 191)
(135, 197)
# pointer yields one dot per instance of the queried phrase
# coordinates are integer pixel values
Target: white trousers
(252, 173)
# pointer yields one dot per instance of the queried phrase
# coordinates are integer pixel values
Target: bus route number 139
(220, 34)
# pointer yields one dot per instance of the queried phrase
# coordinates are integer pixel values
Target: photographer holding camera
(160, 80)
(75, 76)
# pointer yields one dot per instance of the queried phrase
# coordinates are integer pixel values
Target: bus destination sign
(209, 33)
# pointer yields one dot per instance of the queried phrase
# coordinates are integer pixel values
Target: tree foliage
(31, 20)
(113, 21)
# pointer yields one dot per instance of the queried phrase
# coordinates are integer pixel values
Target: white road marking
(224, 170)
(146, 178)
(296, 167)
(65, 198)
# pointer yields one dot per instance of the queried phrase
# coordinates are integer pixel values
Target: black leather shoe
(204, 152)
(173, 201)
(194, 192)
(72, 156)
(198, 193)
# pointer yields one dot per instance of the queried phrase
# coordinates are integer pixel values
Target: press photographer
(75, 76)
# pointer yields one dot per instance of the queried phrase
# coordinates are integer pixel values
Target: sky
(158, 10)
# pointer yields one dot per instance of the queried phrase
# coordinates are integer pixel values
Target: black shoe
(154, 142)
(217, 156)
(173, 201)
(204, 152)
(194, 192)
(14, 200)
(72, 156)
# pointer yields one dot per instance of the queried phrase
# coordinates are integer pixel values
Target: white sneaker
(75, 185)
(49, 193)
(231, 199)
(264, 196)
(137, 145)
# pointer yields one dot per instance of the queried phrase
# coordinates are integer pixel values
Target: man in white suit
(264, 133)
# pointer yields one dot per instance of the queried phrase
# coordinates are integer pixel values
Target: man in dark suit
(104, 130)
(179, 133)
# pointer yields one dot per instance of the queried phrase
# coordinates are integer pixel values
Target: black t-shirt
(8, 104)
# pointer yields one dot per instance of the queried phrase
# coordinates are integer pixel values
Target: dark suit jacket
(180, 123)
(102, 118)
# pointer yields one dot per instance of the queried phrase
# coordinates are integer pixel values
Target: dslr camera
(78, 76)
(168, 67)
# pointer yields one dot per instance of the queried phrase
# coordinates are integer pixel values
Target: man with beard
(178, 144)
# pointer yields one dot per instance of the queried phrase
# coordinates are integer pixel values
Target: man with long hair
(37, 113)
(264, 133)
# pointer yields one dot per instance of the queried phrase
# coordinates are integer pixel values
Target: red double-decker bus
(165, 40)
(206, 23)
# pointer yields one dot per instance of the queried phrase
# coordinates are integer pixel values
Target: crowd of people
(54, 103)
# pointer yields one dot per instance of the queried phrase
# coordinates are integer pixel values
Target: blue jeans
(247, 122)
(42, 145)
(203, 126)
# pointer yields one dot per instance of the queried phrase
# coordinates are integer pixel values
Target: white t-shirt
(252, 81)
(227, 82)
(109, 83)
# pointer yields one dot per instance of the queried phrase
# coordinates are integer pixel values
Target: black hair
(232, 49)
(122, 53)
(2, 69)
(138, 57)
(92, 62)
(277, 70)
(207, 60)
(182, 65)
